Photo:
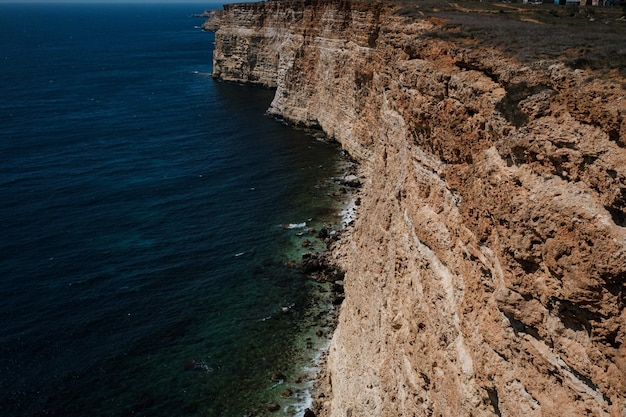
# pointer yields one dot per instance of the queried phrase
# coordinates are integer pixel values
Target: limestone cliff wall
(485, 272)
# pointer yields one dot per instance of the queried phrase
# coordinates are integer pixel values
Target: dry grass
(588, 37)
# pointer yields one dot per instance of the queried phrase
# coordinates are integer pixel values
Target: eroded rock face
(485, 272)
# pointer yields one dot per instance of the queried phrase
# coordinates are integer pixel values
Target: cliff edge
(486, 270)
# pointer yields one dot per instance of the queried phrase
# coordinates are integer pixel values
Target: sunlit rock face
(485, 271)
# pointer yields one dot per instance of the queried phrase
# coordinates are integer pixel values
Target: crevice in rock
(520, 327)
(573, 316)
(362, 79)
(614, 136)
(529, 267)
(616, 208)
(583, 378)
(516, 156)
(611, 339)
(470, 66)
(618, 216)
(493, 398)
(373, 37)
(509, 105)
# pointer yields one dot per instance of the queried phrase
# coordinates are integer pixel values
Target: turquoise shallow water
(143, 250)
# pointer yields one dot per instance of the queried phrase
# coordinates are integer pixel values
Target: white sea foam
(305, 397)
(294, 225)
(306, 402)
(277, 383)
(348, 214)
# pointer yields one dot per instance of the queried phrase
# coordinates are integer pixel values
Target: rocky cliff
(485, 272)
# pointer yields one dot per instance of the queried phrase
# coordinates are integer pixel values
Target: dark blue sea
(149, 216)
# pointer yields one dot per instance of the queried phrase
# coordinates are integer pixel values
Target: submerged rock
(278, 376)
(273, 407)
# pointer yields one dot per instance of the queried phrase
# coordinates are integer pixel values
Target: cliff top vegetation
(585, 37)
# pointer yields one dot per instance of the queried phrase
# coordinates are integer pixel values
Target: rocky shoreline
(324, 267)
(317, 261)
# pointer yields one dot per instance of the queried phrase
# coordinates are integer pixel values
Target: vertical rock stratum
(486, 270)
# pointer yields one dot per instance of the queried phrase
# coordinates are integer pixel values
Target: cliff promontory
(486, 270)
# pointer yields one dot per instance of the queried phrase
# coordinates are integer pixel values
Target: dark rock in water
(319, 333)
(310, 264)
(309, 413)
(340, 274)
(286, 393)
(338, 300)
(338, 287)
(197, 365)
(305, 243)
(194, 365)
(319, 267)
(273, 407)
(323, 233)
(329, 235)
(278, 376)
